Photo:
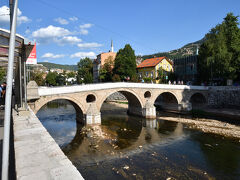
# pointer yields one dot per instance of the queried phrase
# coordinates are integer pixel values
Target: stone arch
(166, 100)
(198, 100)
(44, 100)
(135, 104)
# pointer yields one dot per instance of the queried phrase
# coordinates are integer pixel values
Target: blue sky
(66, 31)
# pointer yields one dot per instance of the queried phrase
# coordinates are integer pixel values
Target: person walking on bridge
(3, 92)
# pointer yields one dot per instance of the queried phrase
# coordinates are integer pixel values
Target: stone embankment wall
(224, 97)
(117, 96)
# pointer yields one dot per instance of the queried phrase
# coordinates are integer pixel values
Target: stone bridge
(88, 99)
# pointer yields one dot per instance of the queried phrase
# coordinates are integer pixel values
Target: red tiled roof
(151, 62)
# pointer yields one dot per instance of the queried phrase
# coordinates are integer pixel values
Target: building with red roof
(149, 68)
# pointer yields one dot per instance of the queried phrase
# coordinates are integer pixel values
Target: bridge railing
(43, 91)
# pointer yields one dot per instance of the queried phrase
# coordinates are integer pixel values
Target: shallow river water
(127, 147)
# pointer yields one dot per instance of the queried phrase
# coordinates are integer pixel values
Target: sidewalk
(11, 172)
(1, 135)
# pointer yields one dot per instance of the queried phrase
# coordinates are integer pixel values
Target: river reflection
(126, 147)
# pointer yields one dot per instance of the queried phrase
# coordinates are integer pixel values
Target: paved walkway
(37, 155)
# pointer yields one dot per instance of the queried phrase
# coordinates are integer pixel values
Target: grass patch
(121, 102)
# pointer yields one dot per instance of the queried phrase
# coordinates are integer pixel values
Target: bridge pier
(93, 115)
(149, 111)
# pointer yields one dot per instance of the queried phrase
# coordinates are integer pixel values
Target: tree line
(219, 54)
(52, 78)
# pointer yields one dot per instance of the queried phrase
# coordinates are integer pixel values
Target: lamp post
(8, 100)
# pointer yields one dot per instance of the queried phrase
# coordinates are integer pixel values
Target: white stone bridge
(88, 99)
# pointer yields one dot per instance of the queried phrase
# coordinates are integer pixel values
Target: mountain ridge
(187, 50)
(59, 66)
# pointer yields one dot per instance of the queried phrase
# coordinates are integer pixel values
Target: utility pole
(11, 12)
(8, 100)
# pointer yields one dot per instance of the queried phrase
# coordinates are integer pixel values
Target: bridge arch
(198, 100)
(44, 100)
(135, 104)
(166, 100)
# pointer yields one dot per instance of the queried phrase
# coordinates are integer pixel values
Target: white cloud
(52, 56)
(5, 17)
(69, 40)
(50, 33)
(27, 31)
(89, 45)
(73, 18)
(85, 26)
(83, 55)
(83, 31)
(22, 19)
(61, 21)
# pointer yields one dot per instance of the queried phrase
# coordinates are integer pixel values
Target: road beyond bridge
(88, 99)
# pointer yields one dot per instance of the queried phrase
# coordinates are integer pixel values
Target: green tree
(106, 72)
(38, 78)
(88, 78)
(125, 63)
(116, 78)
(2, 73)
(71, 74)
(85, 71)
(161, 75)
(51, 78)
(172, 76)
(219, 55)
(60, 79)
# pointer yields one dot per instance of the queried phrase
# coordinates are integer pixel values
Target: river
(127, 147)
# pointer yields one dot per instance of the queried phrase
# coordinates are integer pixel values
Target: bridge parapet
(45, 91)
(32, 91)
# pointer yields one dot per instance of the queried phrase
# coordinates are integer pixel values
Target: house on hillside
(100, 61)
(149, 68)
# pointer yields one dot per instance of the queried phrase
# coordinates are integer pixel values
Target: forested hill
(187, 50)
(59, 66)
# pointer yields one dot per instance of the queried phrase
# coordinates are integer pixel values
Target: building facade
(21, 53)
(149, 68)
(186, 68)
(100, 61)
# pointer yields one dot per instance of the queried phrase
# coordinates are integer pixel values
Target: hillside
(59, 66)
(186, 50)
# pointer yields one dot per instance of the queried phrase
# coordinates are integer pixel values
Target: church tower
(111, 46)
